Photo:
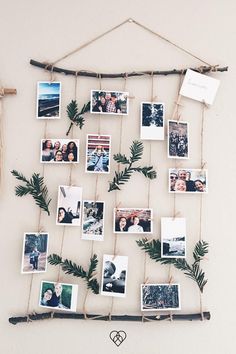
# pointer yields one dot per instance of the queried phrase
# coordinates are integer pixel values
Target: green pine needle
(75, 116)
(72, 268)
(35, 187)
(192, 271)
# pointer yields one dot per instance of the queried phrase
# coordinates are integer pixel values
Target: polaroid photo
(152, 121)
(114, 273)
(188, 180)
(59, 151)
(178, 140)
(60, 296)
(132, 220)
(69, 205)
(173, 237)
(160, 297)
(34, 253)
(98, 149)
(199, 87)
(109, 102)
(93, 220)
(48, 100)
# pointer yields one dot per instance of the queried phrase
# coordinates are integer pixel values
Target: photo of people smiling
(188, 180)
(132, 221)
(109, 102)
(59, 151)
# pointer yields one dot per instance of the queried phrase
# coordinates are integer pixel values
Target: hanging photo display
(178, 141)
(109, 102)
(160, 297)
(132, 220)
(98, 148)
(199, 87)
(188, 180)
(93, 220)
(69, 205)
(152, 121)
(60, 296)
(34, 253)
(48, 100)
(59, 151)
(173, 237)
(114, 275)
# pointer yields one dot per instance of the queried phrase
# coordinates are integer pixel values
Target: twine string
(1, 141)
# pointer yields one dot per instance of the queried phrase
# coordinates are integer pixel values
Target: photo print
(34, 253)
(69, 205)
(59, 151)
(173, 237)
(132, 220)
(199, 87)
(48, 100)
(152, 121)
(93, 220)
(98, 153)
(114, 275)
(178, 147)
(160, 297)
(58, 296)
(183, 180)
(109, 102)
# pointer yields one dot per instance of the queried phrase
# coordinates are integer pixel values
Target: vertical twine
(1, 142)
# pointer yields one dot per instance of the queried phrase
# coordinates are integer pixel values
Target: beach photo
(160, 297)
(60, 296)
(98, 148)
(69, 206)
(48, 100)
(152, 121)
(114, 275)
(34, 253)
(178, 141)
(190, 180)
(59, 151)
(109, 102)
(93, 220)
(132, 220)
(173, 237)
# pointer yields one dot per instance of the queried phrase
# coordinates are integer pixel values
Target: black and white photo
(48, 100)
(109, 102)
(160, 297)
(173, 237)
(69, 205)
(59, 151)
(188, 180)
(34, 254)
(93, 220)
(152, 121)
(132, 220)
(178, 141)
(98, 148)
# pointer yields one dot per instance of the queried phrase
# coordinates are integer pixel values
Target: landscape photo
(48, 100)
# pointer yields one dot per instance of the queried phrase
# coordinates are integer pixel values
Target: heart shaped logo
(118, 337)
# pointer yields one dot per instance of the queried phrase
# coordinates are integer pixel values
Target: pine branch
(191, 271)
(35, 187)
(122, 177)
(75, 116)
(70, 267)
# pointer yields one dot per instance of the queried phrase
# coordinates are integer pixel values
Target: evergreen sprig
(35, 187)
(192, 271)
(70, 267)
(136, 152)
(75, 116)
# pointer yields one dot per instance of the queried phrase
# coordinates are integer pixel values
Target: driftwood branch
(125, 318)
(51, 68)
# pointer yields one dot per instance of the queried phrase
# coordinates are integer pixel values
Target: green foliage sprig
(136, 152)
(70, 267)
(75, 116)
(35, 187)
(192, 271)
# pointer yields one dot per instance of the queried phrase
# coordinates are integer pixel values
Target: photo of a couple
(108, 102)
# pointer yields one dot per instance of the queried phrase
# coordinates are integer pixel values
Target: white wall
(47, 30)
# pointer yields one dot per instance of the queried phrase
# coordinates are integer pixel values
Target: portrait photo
(173, 237)
(48, 100)
(69, 206)
(93, 220)
(109, 102)
(152, 121)
(59, 151)
(60, 296)
(188, 180)
(160, 297)
(114, 275)
(178, 141)
(34, 253)
(98, 148)
(132, 220)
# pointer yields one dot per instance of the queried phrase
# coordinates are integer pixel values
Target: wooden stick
(7, 91)
(80, 316)
(50, 67)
